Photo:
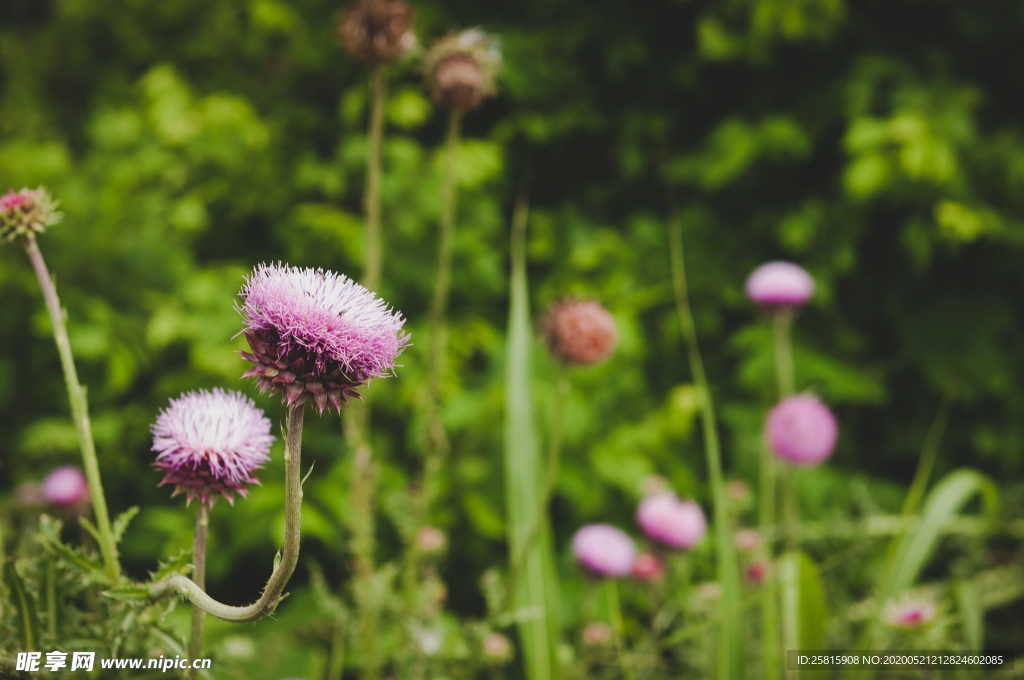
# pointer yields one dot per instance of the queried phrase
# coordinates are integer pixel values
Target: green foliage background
(878, 144)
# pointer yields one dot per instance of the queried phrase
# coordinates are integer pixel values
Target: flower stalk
(195, 641)
(288, 557)
(79, 410)
(728, 576)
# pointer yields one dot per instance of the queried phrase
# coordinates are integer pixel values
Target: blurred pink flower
(668, 520)
(26, 212)
(604, 550)
(801, 430)
(910, 612)
(596, 634)
(580, 331)
(65, 487)
(748, 540)
(647, 567)
(780, 284)
(756, 572)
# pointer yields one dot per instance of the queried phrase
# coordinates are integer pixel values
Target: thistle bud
(801, 430)
(462, 68)
(497, 648)
(26, 213)
(756, 572)
(780, 285)
(65, 488)
(748, 540)
(670, 521)
(647, 567)
(431, 541)
(580, 332)
(597, 634)
(378, 31)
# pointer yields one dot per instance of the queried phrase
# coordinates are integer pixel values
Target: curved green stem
(195, 641)
(79, 410)
(288, 557)
(728, 576)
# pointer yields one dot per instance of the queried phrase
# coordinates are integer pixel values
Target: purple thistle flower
(909, 612)
(209, 443)
(65, 487)
(780, 285)
(670, 521)
(604, 550)
(801, 430)
(26, 212)
(315, 334)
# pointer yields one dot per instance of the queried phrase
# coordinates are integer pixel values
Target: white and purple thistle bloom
(604, 550)
(210, 444)
(316, 335)
(672, 522)
(909, 612)
(780, 285)
(801, 430)
(26, 212)
(65, 487)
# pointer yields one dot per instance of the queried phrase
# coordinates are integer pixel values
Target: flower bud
(748, 540)
(580, 332)
(909, 612)
(26, 213)
(431, 541)
(597, 634)
(462, 68)
(497, 648)
(377, 31)
(756, 572)
(647, 567)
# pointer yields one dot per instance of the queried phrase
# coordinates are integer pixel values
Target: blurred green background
(879, 144)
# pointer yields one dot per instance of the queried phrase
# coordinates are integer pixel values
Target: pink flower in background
(580, 332)
(668, 520)
(597, 634)
(604, 550)
(748, 540)
(209, 443)
(647, 567)
(65, 487)
(756, 572)
(910, 612)
(431, 540)
(780, 284)
(316, 335)
(497, 648)
(801, 430)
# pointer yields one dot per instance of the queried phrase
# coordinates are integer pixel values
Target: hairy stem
(728, 577)
(195, 641)
(288, 557)
(79, 410)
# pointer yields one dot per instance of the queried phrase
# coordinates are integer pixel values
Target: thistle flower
(497, 648)
(209, 443)
(65, 487)
(461, 69)
(597, 634)
(604, 550)
(378, 31)
(801, 430)
(26, 212)
(909, 612)
(431, 540)
(780, 285)
(580, 331)
(670, 521)
(756, 572)
(647, 567)
(748, 540)
(316, 335)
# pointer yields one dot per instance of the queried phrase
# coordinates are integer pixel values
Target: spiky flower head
(909, 612)
(210, 444)
(462, 69)
(316, 335)
(65, 487)
(801, 430)
(26, 212)
(580, 331)
(378, 31)
(780, 285)
(672, 522)
(604, 550)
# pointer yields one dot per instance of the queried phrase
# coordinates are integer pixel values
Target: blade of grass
(534, 586)
(24, 608)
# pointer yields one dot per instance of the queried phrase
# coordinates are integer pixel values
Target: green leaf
(91, 528)
(24, 608)
(178, 563)
(49, 534)
(803, 601)
(535, 586)
(122, 521)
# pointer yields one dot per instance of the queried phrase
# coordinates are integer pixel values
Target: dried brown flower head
(377, 31)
